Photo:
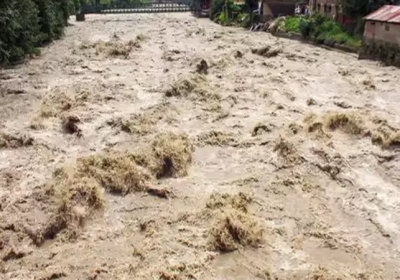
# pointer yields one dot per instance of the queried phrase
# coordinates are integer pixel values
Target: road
(217, 153)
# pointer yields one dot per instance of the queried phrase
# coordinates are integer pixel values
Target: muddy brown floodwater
(161, 146)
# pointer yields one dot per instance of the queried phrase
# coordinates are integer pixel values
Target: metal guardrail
(137, 8)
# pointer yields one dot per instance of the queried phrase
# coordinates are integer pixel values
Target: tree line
(361, 8)
(28, 24)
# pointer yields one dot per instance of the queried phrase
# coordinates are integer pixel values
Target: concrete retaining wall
(388, 53)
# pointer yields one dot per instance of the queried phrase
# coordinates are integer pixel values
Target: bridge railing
(159, 7)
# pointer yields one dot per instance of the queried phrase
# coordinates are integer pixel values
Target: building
(332, 9)
(275, 8)
(328, 7)
(383, 25)
(382, 36)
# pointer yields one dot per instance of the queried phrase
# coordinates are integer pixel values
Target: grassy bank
(321, 30)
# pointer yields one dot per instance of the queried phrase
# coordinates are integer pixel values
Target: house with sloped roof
(382, 36)
(383, 25)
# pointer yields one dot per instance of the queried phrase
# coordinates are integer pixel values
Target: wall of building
(266, 10)
(332, 9)
(382, 31)
(276, 8)
(328, 7)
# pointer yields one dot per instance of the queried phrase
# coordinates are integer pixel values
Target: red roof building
(386, 13)
(383, 25)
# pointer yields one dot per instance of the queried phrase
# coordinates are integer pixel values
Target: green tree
(27, 24)
(19, 29)
(361, 8)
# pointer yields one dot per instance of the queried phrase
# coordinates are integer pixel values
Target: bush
(306, 27)
(341, 38)
(223, 19)
(27, 24)
(322, 30)
(244, 20)
(216, 8)
(327, 30)
(71, 7)
(331, 31)
(292, 24)
(226, 12)
(319, 18)
(51, 19)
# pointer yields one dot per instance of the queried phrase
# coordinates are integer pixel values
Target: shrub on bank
(28, 24)
(322, 30)
(292, 24)
(216, 8)
(227, 13)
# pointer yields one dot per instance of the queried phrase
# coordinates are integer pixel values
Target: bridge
(137, 6)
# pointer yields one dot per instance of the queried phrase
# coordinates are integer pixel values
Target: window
(329, 9)
(387, 26)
